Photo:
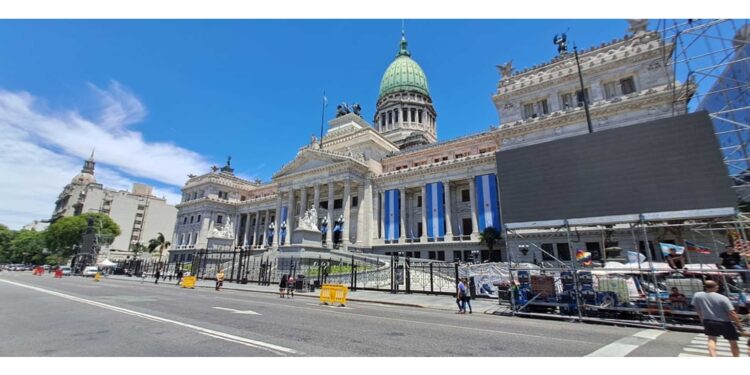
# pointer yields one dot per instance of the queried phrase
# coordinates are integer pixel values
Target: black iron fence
(358, 271)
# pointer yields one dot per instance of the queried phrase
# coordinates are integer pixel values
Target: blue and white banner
(488, 213)
(435, 210)
(391, 200)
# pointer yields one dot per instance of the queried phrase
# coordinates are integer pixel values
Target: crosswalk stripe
(698, 347)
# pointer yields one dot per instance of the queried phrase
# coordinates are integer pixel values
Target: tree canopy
(66, 232)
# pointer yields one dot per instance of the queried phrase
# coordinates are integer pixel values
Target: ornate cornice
(639, 100)
(438, 168)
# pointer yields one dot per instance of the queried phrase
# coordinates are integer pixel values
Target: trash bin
(311, 286)
(299, 283)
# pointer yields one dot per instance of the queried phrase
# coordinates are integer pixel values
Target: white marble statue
(310, 219)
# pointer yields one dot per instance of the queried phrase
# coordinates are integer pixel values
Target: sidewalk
(420, 300)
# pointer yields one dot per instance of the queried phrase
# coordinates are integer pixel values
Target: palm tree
(489, 237)
(159, 242)
(137, 248)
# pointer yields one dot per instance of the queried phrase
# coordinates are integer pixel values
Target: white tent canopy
(107, 263)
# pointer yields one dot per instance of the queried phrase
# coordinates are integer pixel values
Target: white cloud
(43, 150)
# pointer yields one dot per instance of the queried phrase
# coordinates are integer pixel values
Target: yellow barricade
(98, 277)
(333, 293)
(188, 282)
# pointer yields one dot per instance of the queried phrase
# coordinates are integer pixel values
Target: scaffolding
(713, 57)
(619, 291)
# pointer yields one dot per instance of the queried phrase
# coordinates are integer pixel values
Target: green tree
(28, 246)
(160, 243)
(137, 248)
(65, 233)
(6, 235)
(490, 237)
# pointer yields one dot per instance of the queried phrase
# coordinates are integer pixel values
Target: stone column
(473, 199)
(302, 202)
(347, 200)
(290, 216)
(448, 223)
(369, 216)
(277, 222)
(402, 219)
(264, 230)
(257, 225)
(361, 202)
(247, 230)
(236, 234)
(381, 208)
(423, 238)
(316, 196)
(329, 233)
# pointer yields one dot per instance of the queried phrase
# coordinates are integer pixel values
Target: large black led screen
(670, 164)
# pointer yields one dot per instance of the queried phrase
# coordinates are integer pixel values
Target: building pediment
(315, 159)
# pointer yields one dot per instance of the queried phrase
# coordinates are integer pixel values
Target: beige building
(140, 215)
(399, 189)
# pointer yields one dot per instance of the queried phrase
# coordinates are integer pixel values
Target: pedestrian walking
(219, 280)
(290, 286)
(717, 315)
(460, 293)
(179, 277)
(143, 277)
(282, 285)
(157, 275)
(467, 295)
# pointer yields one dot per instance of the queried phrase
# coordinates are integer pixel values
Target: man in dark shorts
(718, 317)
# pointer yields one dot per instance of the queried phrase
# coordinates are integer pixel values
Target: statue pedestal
(306, 237)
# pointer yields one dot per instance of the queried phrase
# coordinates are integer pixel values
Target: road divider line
(625, 345)
(259, 344)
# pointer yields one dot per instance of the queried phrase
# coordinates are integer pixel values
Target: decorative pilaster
(290, 216)
(448, 222)
(329, 233)
(257, 225)
(347, 211)
(303, 202)
(277, 222)
(361, 214)
(473, 199)
(264, 230)
(423, 238)
(402, 219)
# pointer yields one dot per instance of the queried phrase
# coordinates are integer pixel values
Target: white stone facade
(356, 162)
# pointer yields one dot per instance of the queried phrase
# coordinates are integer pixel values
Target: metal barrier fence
(358, 271)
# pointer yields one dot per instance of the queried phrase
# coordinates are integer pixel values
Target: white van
(90, 271)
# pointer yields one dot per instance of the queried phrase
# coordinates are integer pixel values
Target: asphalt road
(74, 316)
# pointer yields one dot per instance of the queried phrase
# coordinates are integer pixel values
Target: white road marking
(625, 345)
(247, 312)
(218, 334)
(698, 347)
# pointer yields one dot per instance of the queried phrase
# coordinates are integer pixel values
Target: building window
(219, 219)
(242, 198)
(610, 90)
(324, 205)
(395, 115)
(195, 194)
(138, 215)
(580, 98)
(184, 221)
(563, 251)
(533, 110)
(566, 101)
(548, 252)
(191, 219)
(390, 118)
(465, 196)
(140, 207)
(337, 203)
(355, 201)
(441, 255)
(419, 201)
(466, 227)
(627, 85)
(431, 255)
(199, 218)
(457, 255)
(404, 115)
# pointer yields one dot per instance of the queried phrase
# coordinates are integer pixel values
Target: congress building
(392, 186)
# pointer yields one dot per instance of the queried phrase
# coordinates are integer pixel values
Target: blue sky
(163, 98)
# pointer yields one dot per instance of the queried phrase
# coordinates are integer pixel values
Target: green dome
(404, 74)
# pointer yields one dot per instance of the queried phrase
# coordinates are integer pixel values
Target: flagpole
(322, 118)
